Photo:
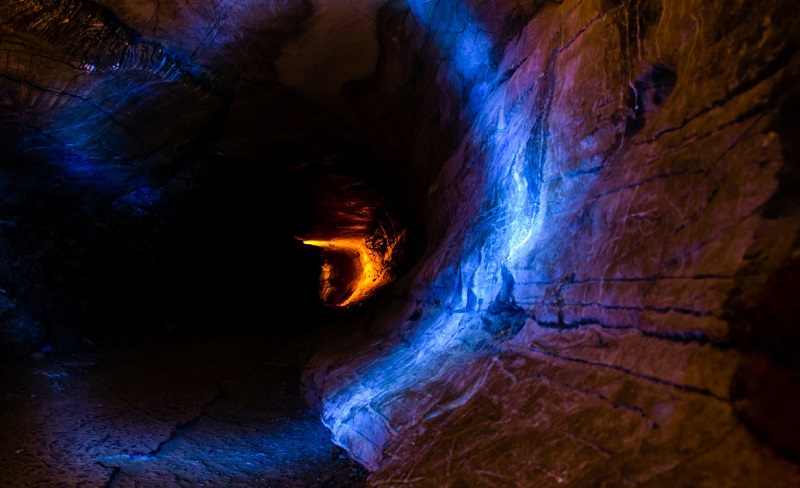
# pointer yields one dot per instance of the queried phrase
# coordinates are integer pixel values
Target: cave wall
(610, 197)
(606, 191)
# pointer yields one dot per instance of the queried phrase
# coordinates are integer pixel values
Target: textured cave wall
(606, 297)
(608, 190)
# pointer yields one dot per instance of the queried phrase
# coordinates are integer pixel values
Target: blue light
(461, 40)
(470, 282)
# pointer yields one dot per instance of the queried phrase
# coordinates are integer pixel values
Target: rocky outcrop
(604, 301)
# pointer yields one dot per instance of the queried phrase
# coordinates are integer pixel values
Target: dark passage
(143, 345)
(155, 185)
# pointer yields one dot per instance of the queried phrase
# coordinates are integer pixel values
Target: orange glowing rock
(368, 262)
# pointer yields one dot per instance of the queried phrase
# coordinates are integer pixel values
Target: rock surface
(603, 194)
(177, 413)
(610, 225)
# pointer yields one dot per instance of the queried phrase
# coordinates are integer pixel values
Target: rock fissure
(175, 433)
(729, 96)
(632, 279)
(626, 371)
(112, 478)
(60, 93)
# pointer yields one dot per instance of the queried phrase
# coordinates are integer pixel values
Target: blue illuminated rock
(621, 161)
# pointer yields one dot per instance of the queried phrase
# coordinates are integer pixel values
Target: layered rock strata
(613, 240)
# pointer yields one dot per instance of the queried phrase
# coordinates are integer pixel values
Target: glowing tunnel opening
(354, 268)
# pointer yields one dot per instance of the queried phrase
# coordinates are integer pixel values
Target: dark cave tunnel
(398, 243)
(183, 222)
(154, 214)
(225, 249)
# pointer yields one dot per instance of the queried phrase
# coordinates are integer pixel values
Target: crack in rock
(119, 461)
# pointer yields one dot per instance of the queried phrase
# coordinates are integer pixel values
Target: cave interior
(350, 243)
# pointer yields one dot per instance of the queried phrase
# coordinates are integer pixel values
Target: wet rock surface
(214, 413)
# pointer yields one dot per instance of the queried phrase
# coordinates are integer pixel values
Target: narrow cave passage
(156, 295)
(164, 356)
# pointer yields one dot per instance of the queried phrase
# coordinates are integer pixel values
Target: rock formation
(598, 201)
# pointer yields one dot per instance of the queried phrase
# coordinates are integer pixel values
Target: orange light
(371, 267)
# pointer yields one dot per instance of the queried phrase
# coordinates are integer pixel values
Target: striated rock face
(611, 198)
(602, 194)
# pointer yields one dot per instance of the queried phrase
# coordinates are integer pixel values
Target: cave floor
(165, 413)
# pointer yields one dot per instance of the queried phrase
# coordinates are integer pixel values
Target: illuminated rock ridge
(610, 190)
